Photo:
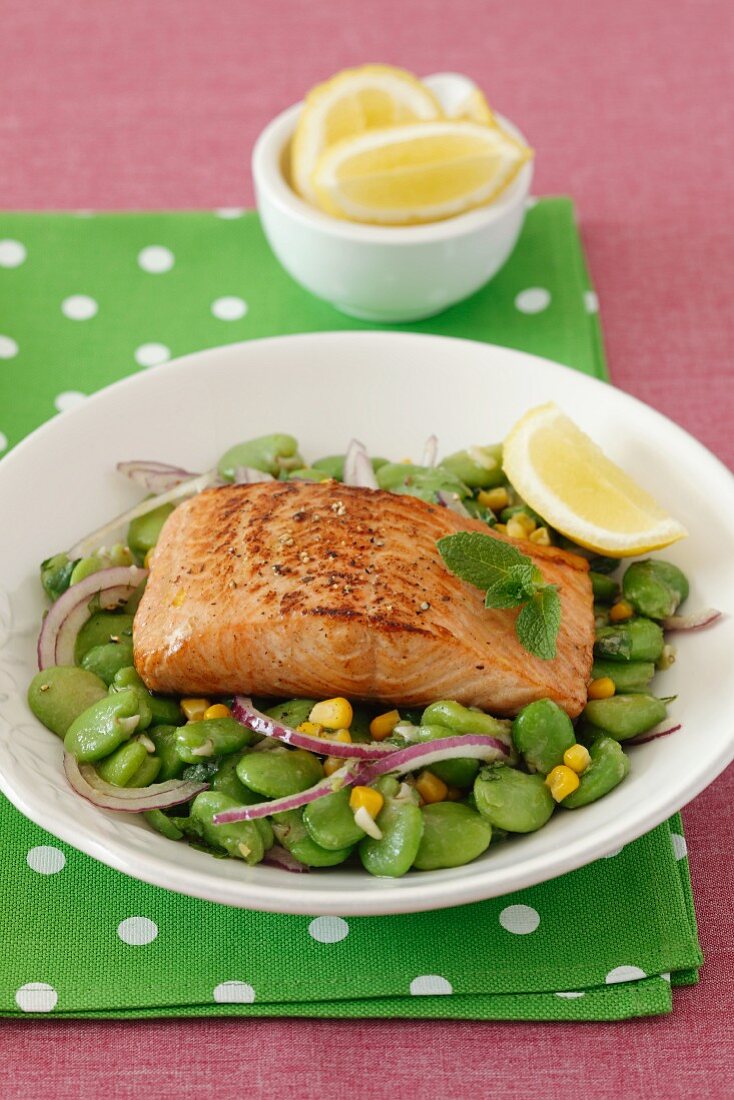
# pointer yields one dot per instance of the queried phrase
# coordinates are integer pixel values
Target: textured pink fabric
(119, 105)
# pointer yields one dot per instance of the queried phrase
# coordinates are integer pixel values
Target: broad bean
(147, 773)
(333, 465)
(211, 737)
(635, 640)
(477, 467)
(60, 694)
(121, 765)
(98, 730)
(604, 588)
(401, 824)
(280, 771)
(452, 836)
(291, 712)
(628, 676)
(273, 454)
(622, 716)
(542, 732)
(330, 821)
(163, 824)
(458, 772)
(56, 574)
(227, 781)
(164, 739)
(513, 800)
(143, 532)
(291, 832)
(165, 711)
(420, 481)
(239, 839)
(654, 588)
(100, 629)
(107, 660)
(609, 765)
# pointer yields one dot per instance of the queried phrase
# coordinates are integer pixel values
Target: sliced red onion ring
(452, 502)
(430, 451)
(281, 857)
(358, 470)
(248, 475)
(474, 745)
(244, 711)
(189, 488)
(155, 477)
(69, 613)
(334, 782)
(696, 621)
(160, 796)
(643, 739)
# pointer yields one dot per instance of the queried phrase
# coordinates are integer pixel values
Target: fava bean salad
(309, 783)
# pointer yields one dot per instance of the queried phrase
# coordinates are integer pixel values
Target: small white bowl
(382, 273)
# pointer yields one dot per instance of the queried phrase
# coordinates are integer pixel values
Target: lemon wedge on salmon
(571, 483)
(423, 172)
(352, 102)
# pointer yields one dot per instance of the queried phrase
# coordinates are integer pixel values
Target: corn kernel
(366, 797)
(218, 711)
(334, 714)
(383, 725)
(603, 688)
(148, 557)
(562, 781)
(527, 522)
(332, 764)
(341, 735)
(515, 529)
(313, 729)
(431, 788)
(496, 499)
(577, 758)
(621, 611)
(501, 527)
(541, 536)
(195, 709)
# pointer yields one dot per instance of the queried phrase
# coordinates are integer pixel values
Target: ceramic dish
(391, 390)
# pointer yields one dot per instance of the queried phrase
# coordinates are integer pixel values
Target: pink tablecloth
(112, 105)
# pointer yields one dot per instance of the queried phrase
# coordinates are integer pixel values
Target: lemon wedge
(474, 109)
(568, 479)
(353, 101)
(420, 172)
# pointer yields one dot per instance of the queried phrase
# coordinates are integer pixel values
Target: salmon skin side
(298, 589)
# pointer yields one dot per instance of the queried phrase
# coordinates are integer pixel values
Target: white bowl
(391, 390)
(385, 274)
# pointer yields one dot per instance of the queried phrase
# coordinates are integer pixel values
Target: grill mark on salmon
(294, 588)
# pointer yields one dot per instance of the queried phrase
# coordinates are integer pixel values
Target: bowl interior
(391, 390)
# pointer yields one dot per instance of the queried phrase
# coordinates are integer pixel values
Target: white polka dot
(613, 853)
(591, 301)
(520, 919)
(69, 400)
(150, 355)
(666, 976)
(234, 993)
(569, 996)
(36, 997)
(156, 259)
(79, 307)
(46, 859)
(430, 985)
(229, 309)
(533, 300)
(680, 848)
(624, 974)
(530, 202)
(137, 931)
(8, 347)
(12, 253)
(3, 441)
(328, 929)
(229, 212)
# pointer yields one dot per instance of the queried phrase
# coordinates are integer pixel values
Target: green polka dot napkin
(85, 300)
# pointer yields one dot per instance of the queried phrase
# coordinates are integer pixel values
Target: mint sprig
(509, 579)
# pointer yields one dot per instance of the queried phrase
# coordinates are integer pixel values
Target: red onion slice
(430, 451)
(160, 796)
(696, 621)
(155, 477)
(69, 613)
(189, 488)
(452, 502)
(248, 475)
(281, 857)
(255, 720)
(358, 470)
(644, 738)
(474, 745)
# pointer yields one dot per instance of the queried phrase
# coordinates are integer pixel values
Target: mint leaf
(538, 623)
(479, 559)
(517, 586)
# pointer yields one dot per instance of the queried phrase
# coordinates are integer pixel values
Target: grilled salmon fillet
(299, 589)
